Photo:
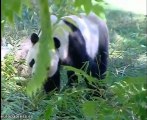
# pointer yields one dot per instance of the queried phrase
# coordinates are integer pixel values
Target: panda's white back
(89, 30)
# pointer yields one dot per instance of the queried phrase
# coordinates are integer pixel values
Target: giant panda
(77, 39)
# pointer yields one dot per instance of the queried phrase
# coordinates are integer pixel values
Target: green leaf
(78, 3)
(10, 16)
(87, 5)
(9, 7)
(48, 112)
(99, 10)
(2, 26)
(81, 72)
(90, 108)
(16, 7)
(45, 43)
(133, 90)
(57, 2)
(27, 3)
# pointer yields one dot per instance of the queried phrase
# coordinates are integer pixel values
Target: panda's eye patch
(57, 42)
(32, 63)
(34, 38)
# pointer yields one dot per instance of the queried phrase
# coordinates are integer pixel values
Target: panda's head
(32, 56)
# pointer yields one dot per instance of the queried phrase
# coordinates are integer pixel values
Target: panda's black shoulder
(71, 25)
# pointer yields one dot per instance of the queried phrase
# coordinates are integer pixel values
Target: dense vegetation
(125, 97)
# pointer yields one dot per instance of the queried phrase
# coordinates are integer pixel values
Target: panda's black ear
(34, 38)
(56, 42)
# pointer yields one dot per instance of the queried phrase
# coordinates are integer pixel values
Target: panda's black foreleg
(72, 78)
(53, 83)
(92, 70)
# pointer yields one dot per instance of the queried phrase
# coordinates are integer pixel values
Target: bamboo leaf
(45, 43)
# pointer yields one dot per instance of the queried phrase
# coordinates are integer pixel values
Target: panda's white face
(32, 54)
(32, 58)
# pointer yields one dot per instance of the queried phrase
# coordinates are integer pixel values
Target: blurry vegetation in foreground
(126, 80)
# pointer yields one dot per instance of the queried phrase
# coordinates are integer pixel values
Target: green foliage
(29, 19)
(129, 101)
(8, 71)
(90, 108)
(91, 80)
(96, 6)
(11, 8)
(66, 7)
(126, 95)
(131, 94)
(60, 105)
(48, 112)
(62, 7)
(12, 93)
(125, 100)
(127, 52)
(133, 23)
(87, 5)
